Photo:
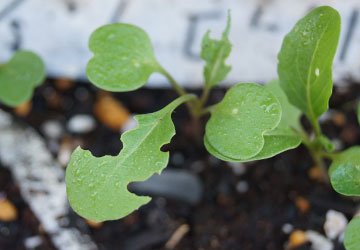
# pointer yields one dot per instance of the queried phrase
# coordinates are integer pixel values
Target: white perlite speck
(81, 124)
(318, 241)
(335, 224)
(41, 182)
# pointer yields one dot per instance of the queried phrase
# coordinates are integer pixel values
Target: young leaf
(345, 172)
(123, 58)
(305, 61)
(238, 123)
(18, 77)
(352, 235)
(97, 187)
(215, 52)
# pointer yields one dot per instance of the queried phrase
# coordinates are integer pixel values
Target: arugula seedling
(19, 76)
(252, 122)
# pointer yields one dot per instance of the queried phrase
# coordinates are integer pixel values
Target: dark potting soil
(244, 209)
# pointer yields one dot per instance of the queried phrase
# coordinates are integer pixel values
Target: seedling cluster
(252, 122)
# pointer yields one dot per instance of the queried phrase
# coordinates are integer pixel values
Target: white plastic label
(59, 30)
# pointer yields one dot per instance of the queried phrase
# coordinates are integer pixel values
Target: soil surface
(244, 206)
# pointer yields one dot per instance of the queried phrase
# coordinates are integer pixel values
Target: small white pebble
(81, 124)
(318, 241)
(64, 155)
(238, 168)
(335, 224)
(32, 242)
(242, 187)
(52, 129)
(287, 228)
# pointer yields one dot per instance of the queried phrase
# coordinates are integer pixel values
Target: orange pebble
(302, 204)
(339, 119)
(297, 238)
(8, 211)
(110, 112)
(23, 109)
(93, 224)
(63, 83)
(315, 173)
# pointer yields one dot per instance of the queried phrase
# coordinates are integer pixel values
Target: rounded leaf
(345, 172)
(123, 57)
(352, 235)
(20, 76)
(237, 124)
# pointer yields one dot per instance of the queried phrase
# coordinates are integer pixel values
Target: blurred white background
(59, 30)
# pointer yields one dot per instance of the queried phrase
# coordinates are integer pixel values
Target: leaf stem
(316, 153)
(316, 126)
(172, 81)
(181, 92)
(204, 96)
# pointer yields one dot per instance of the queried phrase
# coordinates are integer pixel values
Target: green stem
(181, 92)
(172, 81)
(316, 126)
(329, 155)
(319, 161)
(204, 96)
(316, 153)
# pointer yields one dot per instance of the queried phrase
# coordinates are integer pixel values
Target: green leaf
(345, 172)
(238, 123)
(97, 187)
(215, 52)
(276, 142)
(123, 58)
(306, 58)
(290, 117)
(18, 77)
(352, 235)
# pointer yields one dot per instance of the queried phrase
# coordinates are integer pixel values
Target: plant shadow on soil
(228, 217)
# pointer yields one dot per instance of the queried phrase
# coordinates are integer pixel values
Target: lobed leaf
(352, 235)
(215, 52)
(345, 172)
(18, 77)
(238, 123)
(123, 57)
(97, 187)
(306, 58)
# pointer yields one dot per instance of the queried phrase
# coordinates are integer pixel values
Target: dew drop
(317, 71)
